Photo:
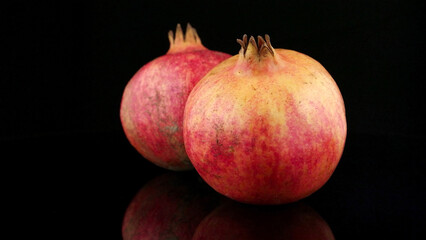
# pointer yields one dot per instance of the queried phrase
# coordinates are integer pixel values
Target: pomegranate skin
(266, 126)
(154, 99)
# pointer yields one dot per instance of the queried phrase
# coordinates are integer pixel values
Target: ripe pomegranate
(154, 99)
(169, 206)
(266, 126)
(239, 221)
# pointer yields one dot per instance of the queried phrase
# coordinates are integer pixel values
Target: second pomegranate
(154, 99)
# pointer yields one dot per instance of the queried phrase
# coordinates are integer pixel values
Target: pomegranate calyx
(261, 48)
(180, 42)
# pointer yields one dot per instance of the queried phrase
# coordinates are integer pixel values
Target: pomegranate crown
(261, 48)
(180, 42)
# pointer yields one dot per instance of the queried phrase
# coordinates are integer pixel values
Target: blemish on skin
(157, 97)
(231, 149)
(216, 176)
(171, 129)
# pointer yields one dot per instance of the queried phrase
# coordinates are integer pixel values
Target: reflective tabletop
(98, 187)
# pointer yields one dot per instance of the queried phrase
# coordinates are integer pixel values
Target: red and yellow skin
(168, 207)
(266, 126)
(154, 99)
(232, 221)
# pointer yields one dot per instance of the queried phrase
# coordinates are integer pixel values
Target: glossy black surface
(81, 185)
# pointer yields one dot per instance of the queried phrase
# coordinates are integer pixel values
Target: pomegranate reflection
(237, 221)
(169, 207)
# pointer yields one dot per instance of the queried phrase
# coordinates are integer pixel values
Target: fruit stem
(190, 42)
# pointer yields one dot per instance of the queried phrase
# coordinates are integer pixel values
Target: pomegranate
(238, 221)
(266, 126)
(169, 206)
(154, 99)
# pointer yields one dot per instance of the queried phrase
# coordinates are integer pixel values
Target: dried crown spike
(191, 34)
(260, 42)
(180, 41)
(261, 48)
(243, 44)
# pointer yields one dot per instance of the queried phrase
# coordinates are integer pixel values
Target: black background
(67, 63)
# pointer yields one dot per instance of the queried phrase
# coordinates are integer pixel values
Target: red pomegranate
(233, 221)
(154, 99)
(266, 126)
